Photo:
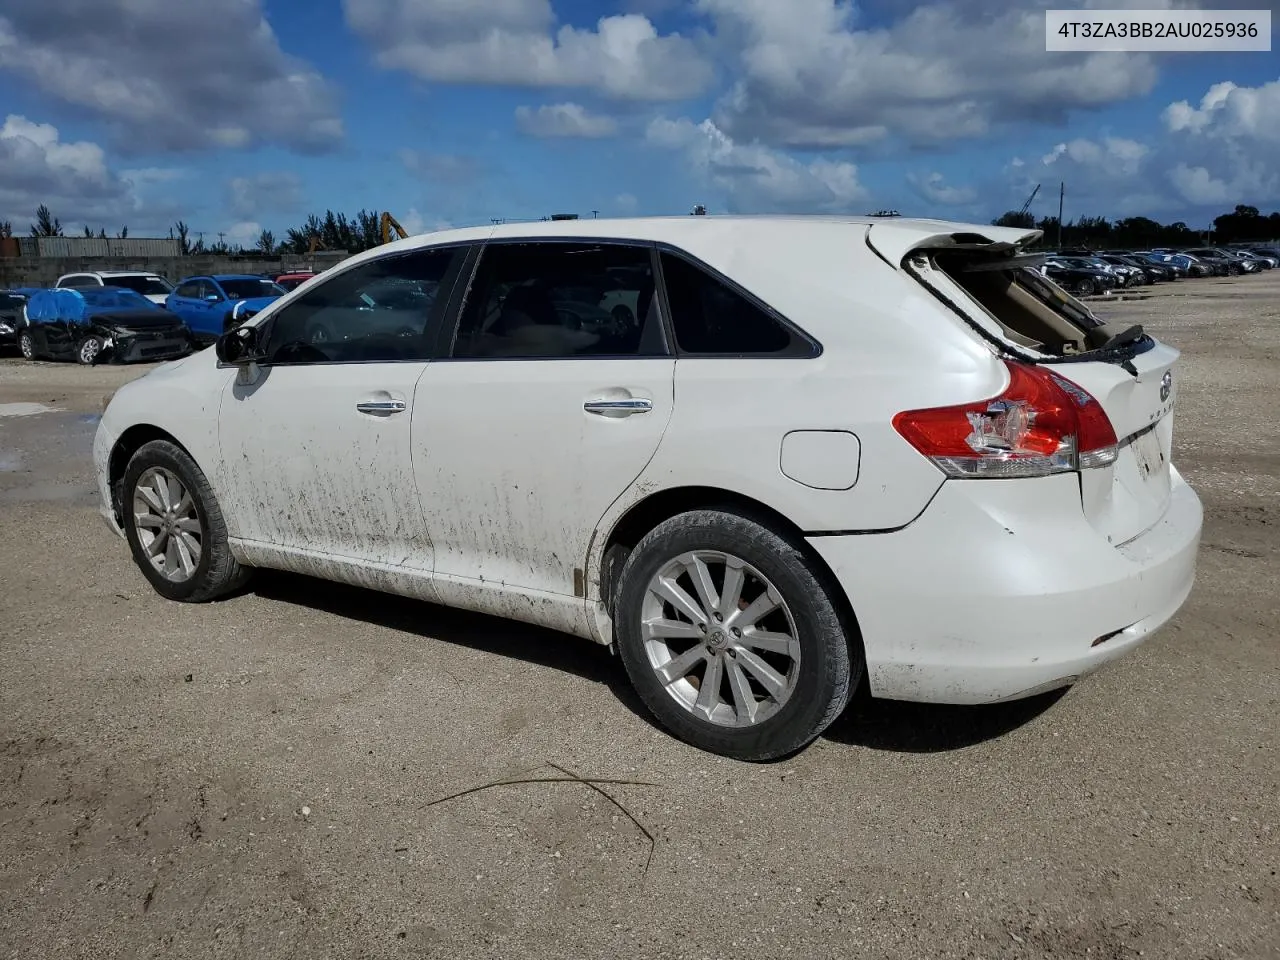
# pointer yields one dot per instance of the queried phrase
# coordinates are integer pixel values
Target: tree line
(337, 231)
(1244, 224)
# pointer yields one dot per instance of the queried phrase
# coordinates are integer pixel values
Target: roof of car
(894, 236)
(112, 273)
(233, 276)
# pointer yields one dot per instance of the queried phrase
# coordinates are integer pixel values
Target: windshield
(250, 288)
(116, 298)
(9, 301)
(147, 286)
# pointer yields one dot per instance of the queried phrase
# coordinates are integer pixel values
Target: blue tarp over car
(76, 306)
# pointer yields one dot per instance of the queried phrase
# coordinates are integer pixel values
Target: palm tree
(46, 225)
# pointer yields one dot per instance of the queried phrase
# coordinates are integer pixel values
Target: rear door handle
(382, 408)
(618, 408)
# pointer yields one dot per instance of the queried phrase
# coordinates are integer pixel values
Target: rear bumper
(996, 592)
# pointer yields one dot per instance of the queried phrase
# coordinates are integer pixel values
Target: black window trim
(450, 331)
(457, 267)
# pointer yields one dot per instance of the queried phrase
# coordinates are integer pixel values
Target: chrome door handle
(618, 408)
(382, 406)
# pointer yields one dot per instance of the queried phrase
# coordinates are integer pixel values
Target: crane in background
(1027, 206)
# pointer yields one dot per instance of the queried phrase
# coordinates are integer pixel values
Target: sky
(240, 115)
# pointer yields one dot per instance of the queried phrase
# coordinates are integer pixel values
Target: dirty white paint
(24, 409)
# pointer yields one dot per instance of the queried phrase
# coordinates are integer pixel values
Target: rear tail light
(1041, 424)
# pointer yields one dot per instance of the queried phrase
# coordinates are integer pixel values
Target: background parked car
(212, 305)
(1268, 253)
(1132, 274)
(1264, 263)
(11, 304)
(100, 324)
(1078, 277)
(291, 281)
(151, 285)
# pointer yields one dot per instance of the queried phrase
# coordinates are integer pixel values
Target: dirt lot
(258, 777)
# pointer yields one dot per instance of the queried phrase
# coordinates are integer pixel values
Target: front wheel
(1087, 288)
(27, 345)
(89, 350)
(175, 527)
(732, 636)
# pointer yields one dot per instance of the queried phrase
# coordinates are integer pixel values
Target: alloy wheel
(90, 349)
(721, 638)
(168, 524)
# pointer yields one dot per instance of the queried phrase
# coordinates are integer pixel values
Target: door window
(556, 300)
(189, 289)
(710, 317)
(385, 310)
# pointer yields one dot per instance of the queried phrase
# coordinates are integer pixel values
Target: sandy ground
(259, 777)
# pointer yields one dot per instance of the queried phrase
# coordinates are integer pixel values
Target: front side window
(189, 289)
(710, 317)
(384, 310)
(557, 300)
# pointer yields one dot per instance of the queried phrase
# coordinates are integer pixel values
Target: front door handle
(618, 408)
(383, 408)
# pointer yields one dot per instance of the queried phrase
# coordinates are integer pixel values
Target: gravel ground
(263, 777)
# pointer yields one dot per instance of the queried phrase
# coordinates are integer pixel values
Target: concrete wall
(44, 271)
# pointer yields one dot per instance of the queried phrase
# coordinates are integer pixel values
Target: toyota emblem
(1166, 386)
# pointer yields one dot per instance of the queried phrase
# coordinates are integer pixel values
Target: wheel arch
(129, 443)
(606, 559)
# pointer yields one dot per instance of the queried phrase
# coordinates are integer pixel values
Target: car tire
(181, 515)
(27, 345)
(89, 350)
(802, 664)
(1086, 288)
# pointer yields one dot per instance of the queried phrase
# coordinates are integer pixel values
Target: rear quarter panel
(887, 346)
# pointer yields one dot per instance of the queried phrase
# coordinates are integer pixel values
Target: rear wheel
(732, 637)
(175, 527)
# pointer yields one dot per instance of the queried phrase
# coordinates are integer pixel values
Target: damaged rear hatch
(993, 285)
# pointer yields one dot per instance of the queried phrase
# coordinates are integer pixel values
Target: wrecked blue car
(100, 325)
(212, 305)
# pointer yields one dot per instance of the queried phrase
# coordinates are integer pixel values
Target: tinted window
(384, 310)
(556, 300)
(80, 280)
(189, 289)
(249, 288)
(147, 286)
(710, 317)
(9, 301)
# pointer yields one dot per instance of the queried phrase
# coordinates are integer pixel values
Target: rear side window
(709, 317)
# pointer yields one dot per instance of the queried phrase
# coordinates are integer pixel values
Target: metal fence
(98, 247)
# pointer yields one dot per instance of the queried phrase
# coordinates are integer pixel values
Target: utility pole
(595, 214)
(1062, 193)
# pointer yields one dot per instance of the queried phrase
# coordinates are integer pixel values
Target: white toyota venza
(761, 457)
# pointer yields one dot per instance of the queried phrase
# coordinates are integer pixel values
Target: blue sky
(235, 115)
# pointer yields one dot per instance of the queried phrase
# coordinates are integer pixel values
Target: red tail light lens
(1041, 424)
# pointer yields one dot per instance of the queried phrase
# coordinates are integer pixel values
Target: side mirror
(238, 347)
(211, 298)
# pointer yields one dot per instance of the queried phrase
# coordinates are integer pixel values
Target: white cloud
(72, 178)
(171, 75)
(1230, 111)
(1197, 185)
(811, 76)
(758, 178)
(564, 120)
(271, 192)
(243, 233)
(626, 203)
(415, 223)
(514, 42)
(934, 188)
(1116, 154)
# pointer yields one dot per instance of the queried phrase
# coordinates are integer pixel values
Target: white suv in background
(151, 285)
(813, 449)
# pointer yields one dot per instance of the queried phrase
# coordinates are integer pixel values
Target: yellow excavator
(388, 224)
